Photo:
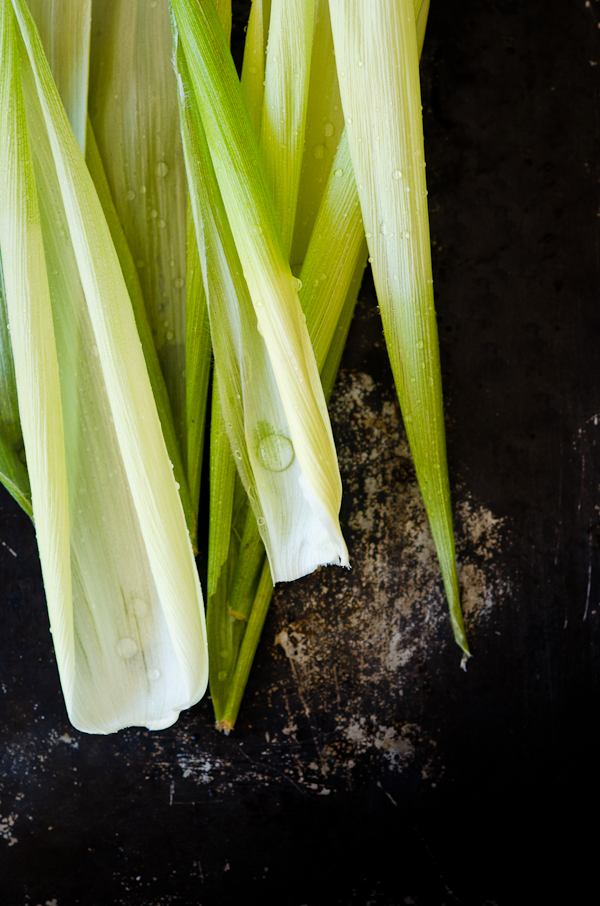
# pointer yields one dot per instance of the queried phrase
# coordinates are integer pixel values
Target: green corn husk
(253, 67)
(377, 56)
(328, 305)
(322, 297)
(285, 102)
(341, 207)
(13, 468)
(324, 126)
(199, 361)
(32, 339)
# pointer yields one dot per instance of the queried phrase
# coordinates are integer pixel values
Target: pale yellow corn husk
(272, 288)
(133, 108)
(64, 27)
(34, 350)
(297, 539)
(137, 619)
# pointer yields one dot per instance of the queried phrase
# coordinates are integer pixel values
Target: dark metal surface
(366, 768)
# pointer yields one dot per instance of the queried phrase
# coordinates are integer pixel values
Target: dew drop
(162, 224)
(368, 235)
(130, 195)
(320, 151)
(297, 284)
(252, 70)
(178, 282)
(397, 174)
(153, 4)
(338, 172)
(126, 648)
(329, 130)
(383, 229)
(359, 63)
(405, 235)
(161, 168)
(153, 674)
(420, 344)
(349, 120)
(222, 675)
(370, 260)
(238, 454)
(154, 214)
(169, 335)
(424, 192)
(260, 520)
(276, 452)
(142, 190)
(165, 323)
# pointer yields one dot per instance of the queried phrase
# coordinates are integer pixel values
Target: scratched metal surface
(366, 767)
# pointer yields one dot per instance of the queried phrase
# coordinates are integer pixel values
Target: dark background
(366, 768)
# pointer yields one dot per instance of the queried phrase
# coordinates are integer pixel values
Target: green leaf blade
(377, 58)
(13, 469)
